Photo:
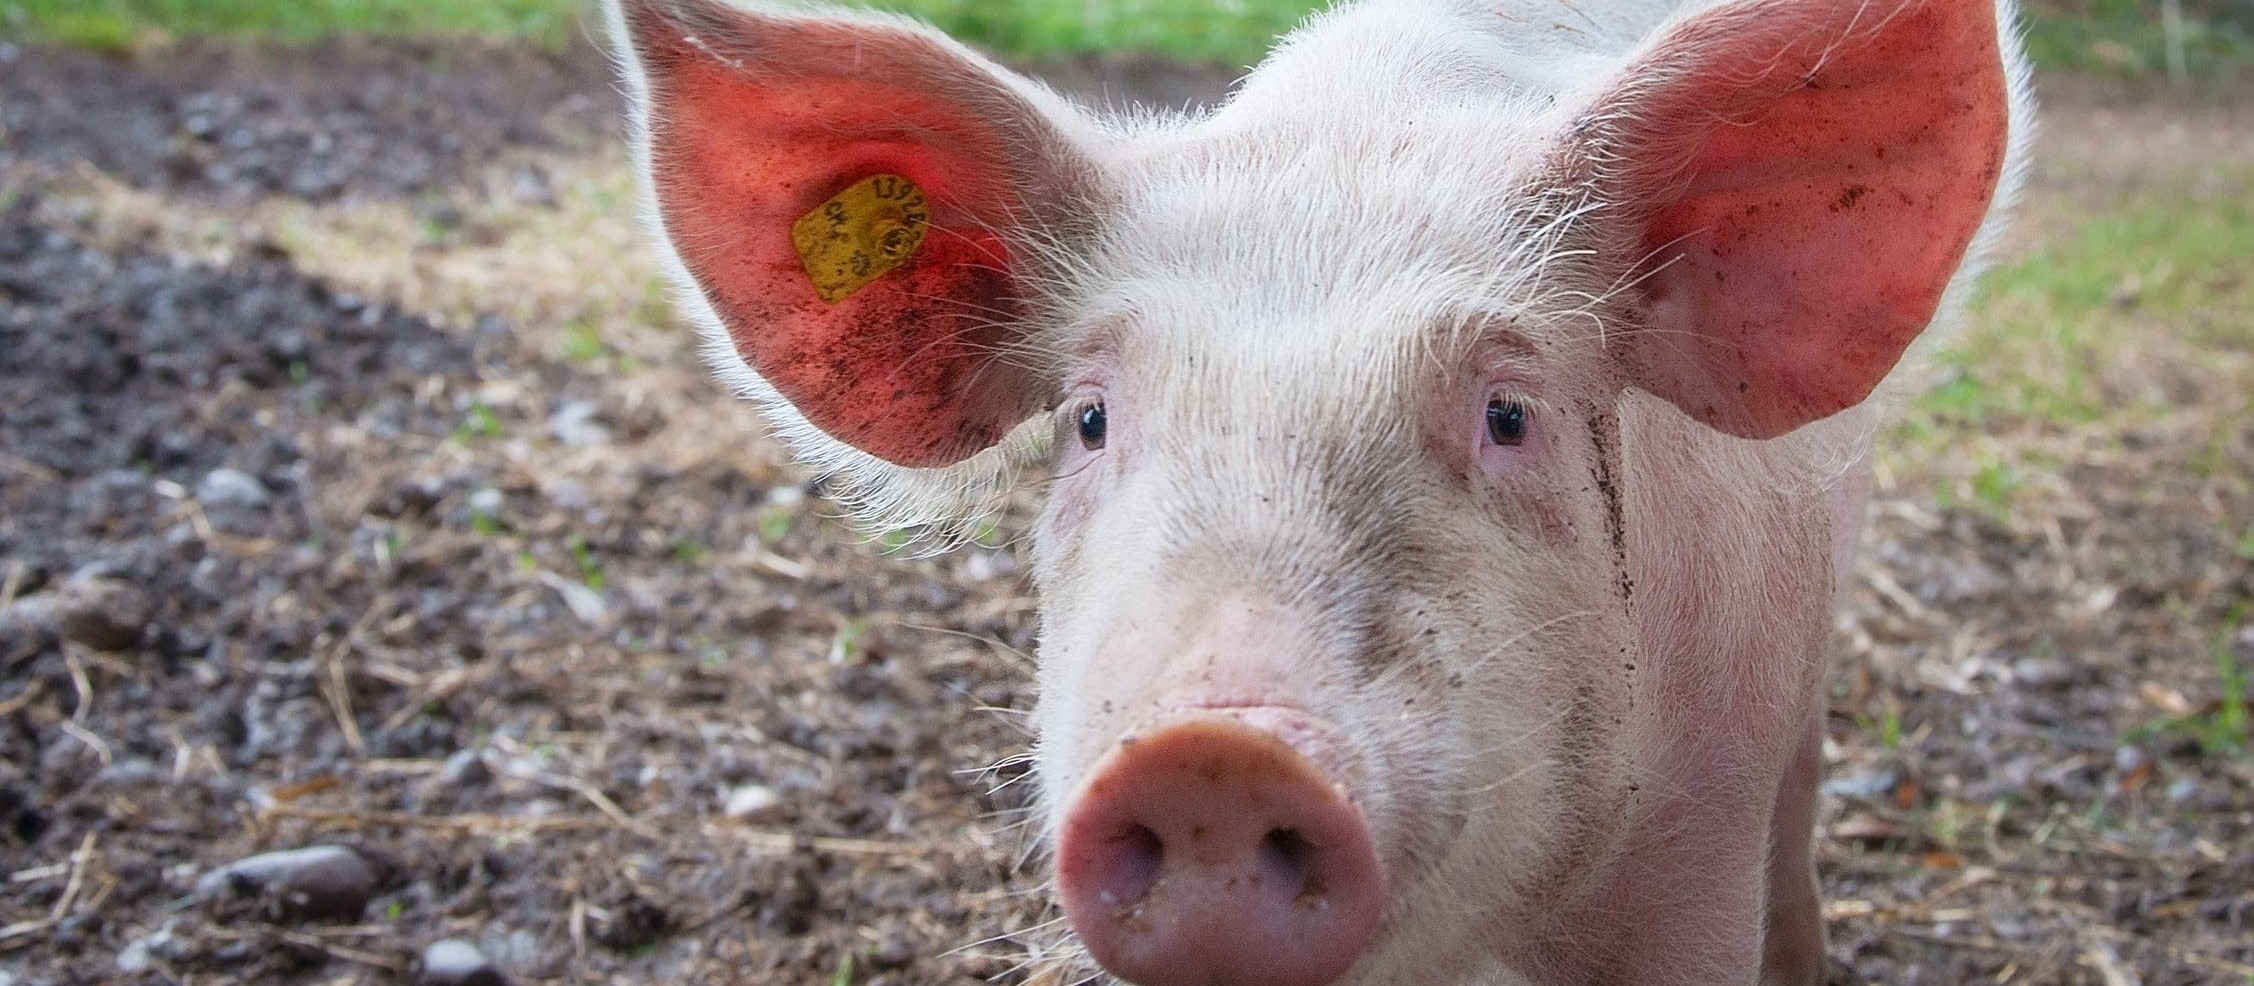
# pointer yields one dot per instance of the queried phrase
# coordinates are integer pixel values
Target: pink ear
(757, 120)
(1808, 177)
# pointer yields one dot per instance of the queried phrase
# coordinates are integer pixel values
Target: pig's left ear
(1802, 181)
(859, 202)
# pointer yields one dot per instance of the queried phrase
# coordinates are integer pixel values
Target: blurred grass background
(2117, 274)
(2117, 37)
(1227, 30)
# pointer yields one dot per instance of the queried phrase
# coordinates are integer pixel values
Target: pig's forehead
(1360, 234)
(1347, 183)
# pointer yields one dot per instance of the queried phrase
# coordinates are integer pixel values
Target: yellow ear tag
(856, 237)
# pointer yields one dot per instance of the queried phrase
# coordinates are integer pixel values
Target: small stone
(569, 494)
(487, 502)
(982, 566)
(414, 496)
(628, 923)
(530, 186)
(446, 216)
(465, 768)
(144, 953)
(134, 957)
(1867, 785)
(454, 962)
(232, 488)
(750, 800)
(2130, 759)
(131, 772)
(584, 602)
(315, 883)
(102, 613)
(894, 952)
(578, 423)
(2042, 672)
(516, 948)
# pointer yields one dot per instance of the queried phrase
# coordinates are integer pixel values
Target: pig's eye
(1506, 421)
(1092, 427)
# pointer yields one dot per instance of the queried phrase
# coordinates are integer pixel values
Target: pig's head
(1341, 639)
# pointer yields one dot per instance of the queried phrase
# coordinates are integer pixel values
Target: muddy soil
(288, 564)
(326, 123)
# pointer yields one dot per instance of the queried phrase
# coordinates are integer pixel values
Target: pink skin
(1207, 848)
(1338, 686)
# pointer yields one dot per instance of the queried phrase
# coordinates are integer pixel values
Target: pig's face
(1346, 670)
(1359, 468)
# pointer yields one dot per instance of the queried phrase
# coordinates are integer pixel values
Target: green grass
(1234, 31)
(690, 551)
(2225, 729)
(2127, 38)
(478, 424)
(590, 568)
(1225, 30)
(775, 523)
(2228, 727)
(126, 24)
(583, 343)
(846, 645)
(2131, 319)
(2164, 266)
(2116, 37)
(1886, 729)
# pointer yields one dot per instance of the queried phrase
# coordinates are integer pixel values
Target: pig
(1452, 445)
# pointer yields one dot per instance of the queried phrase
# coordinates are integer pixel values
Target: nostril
(1291, 858)
(1287, 848)
(1136, 857)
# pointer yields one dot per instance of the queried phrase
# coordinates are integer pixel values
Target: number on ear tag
(860, 234)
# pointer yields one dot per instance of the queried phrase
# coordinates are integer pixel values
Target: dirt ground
(356, 491)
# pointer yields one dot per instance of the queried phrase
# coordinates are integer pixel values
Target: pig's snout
(1208, 850)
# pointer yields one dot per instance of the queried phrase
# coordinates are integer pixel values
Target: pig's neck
(1731, 548)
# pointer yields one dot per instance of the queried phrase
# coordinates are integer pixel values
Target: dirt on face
(286, 562)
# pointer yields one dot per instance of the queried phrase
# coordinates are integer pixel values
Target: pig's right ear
(1803, 182)
(858, 200)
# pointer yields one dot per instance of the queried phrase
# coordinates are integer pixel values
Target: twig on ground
(77, 881)
(29, 468)
(2100, 956)
(30, 694)
(2212, 963)
(1893, 592)
(604, 804)
(22, 932)
(1982, 942)
(100, 746)
(434, 688)
(349, 954)
(1973, 876)
(81, 683)
(339, 690)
